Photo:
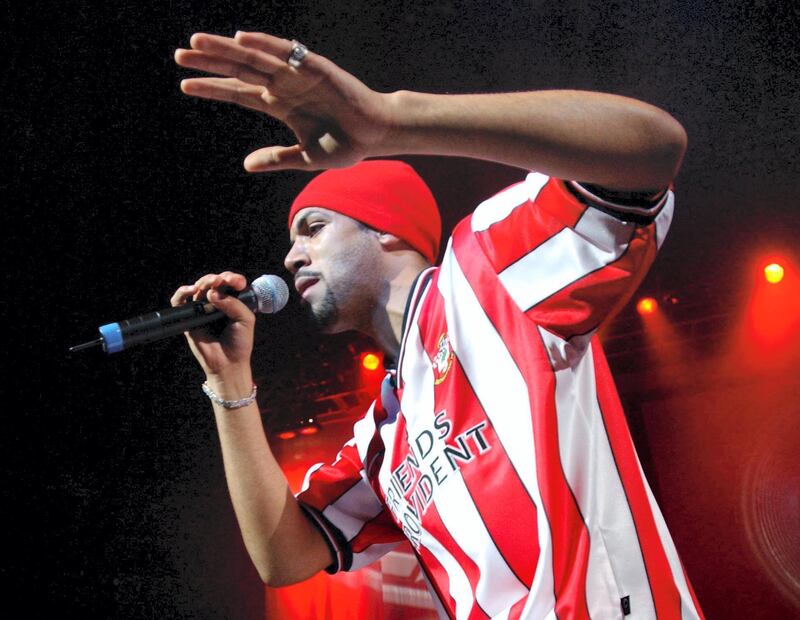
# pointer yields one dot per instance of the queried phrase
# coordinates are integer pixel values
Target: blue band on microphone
(112, 337)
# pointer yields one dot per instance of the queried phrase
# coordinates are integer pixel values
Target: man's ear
(391, 242)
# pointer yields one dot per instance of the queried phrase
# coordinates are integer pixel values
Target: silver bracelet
(229, 404)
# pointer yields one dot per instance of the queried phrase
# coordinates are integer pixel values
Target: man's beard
(325, 313)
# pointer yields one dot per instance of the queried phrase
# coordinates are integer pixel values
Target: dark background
(118, 189)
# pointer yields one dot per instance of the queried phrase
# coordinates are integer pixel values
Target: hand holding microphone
(234, 345)
(189, 311)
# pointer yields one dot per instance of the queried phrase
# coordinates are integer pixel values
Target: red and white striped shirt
(499, 448)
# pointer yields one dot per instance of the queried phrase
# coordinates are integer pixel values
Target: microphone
(267, 294)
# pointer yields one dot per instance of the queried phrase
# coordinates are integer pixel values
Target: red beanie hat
(388, 196)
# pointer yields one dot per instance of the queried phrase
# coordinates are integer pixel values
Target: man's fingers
(230, 305)
(313, 65)
(230, 90)
(212, 287)
(205, 284)
(274, 158)
(211, 281)
(210, 63)
(229, 48)
(182, 295)
(275, 46)
(234, 280)
(323, 152)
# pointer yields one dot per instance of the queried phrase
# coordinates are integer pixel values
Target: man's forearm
(608, 140)
(284, 546)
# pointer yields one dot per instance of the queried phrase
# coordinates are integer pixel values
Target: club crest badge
(443, 360)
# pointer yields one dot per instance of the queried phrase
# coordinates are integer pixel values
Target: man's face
(336, 266)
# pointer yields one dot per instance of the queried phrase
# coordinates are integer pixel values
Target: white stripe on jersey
(664, 219)
(457, 511)
(355, 507)
(568, 255)
(359, 504)
(496, 583)
(500, 206)
(532, 611)
(460, 589)
(415, 375)
(363, 431)
(422, 281)
(605, 231)
(502, 391)
(603, 505)
(566, 353)
(370, 554)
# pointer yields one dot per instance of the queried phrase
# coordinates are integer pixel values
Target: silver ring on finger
(297, 55)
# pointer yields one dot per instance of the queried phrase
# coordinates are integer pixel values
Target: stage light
(370, 361)
(773, 311)
(647, 305)
(308, 426)
(773, 273)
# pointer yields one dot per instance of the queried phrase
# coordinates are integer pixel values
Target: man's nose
(297, 257)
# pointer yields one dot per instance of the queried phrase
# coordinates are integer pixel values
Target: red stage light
(309, 430)
(773, 273)
(647, 305)
(370, 361)
(287, 435)
(773, 312)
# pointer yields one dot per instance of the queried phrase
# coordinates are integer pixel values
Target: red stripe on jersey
(569, 535)
(336, 479)
(581, 306)
(530, 225)
(399, 452)
(456, 394)
(666, 597)
(436, 527)
(515, 613)
(516, 506)
(437, 578)
(380, 530)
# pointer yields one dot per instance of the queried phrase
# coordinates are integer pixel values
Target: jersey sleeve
(341, 502)
(568, 254)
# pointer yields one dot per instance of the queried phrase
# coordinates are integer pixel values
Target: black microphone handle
(165, 323)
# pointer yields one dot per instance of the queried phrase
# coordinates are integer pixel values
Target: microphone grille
(271, 292)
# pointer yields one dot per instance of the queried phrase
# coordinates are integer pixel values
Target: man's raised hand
(336, 119)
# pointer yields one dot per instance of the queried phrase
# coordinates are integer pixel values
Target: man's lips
(303, 283)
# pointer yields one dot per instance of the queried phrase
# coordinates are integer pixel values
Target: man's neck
(387, 324)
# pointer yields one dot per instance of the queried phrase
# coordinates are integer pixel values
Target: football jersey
(499, 448)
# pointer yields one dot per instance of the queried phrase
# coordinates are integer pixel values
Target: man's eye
(314, 228)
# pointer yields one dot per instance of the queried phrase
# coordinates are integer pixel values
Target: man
(497, 446)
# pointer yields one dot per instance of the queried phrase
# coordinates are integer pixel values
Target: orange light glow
(309, 430)
(772, 321)
(647, 305)
(773, 273)
(370, 361)
(287, 435)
